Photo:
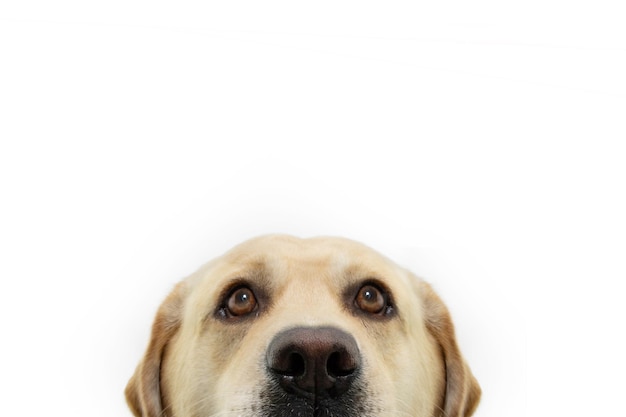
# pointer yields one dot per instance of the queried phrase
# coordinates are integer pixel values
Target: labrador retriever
(323, 327)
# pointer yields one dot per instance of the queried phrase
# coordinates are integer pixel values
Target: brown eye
(371, 300)
(241, 302)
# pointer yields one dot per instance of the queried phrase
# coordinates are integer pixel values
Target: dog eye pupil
(371, 300)
(241, 302)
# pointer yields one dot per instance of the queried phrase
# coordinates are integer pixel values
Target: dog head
(320, 327)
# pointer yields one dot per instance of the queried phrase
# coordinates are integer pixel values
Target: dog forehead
(312, 250)
(278, 262)
(288, 256)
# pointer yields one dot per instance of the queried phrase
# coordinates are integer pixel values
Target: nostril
(295, 365)
(288, 362)
(340, 364)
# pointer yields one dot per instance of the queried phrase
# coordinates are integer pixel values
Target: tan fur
(143, 392)
(462, 389)
(196, 365)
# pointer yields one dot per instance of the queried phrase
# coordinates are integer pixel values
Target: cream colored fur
(198, 365)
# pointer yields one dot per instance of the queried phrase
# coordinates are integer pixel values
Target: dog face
(320, 327)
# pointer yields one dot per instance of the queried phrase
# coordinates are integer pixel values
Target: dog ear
(462, 392)
(143, 392)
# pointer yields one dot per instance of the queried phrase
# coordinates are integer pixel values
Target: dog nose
(314, 361)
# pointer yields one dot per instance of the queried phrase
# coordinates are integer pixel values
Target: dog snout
(314, 361)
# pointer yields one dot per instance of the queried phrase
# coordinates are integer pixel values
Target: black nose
(314, 361)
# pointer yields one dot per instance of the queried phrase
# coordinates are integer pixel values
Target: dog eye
(241, 302)
(371, 299)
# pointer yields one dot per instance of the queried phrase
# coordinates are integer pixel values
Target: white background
(479, 144)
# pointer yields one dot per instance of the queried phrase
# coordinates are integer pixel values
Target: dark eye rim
(222, 312)
(352, 293)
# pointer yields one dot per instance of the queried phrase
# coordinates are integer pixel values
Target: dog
(321, 327)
